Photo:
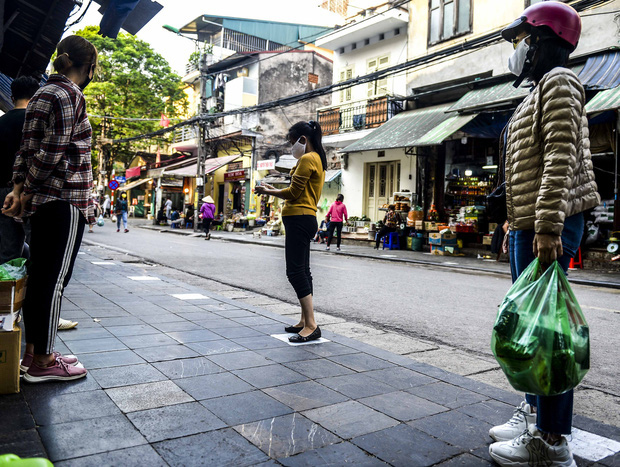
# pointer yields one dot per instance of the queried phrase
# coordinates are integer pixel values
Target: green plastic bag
(541, 338)
(13, 270)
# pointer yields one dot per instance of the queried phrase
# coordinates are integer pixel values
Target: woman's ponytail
(62, 63)
(74, 52)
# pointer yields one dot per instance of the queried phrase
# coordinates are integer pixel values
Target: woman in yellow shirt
(299, 217)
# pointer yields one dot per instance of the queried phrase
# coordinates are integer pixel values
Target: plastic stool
(579, 263)
(391, 241)
(189, 225)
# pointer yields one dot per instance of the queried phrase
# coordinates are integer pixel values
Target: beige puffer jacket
(549, 174)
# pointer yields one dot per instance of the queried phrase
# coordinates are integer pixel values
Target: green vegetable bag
(541, 338)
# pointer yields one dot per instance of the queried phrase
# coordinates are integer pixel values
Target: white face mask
(516, 62)
(299, 149)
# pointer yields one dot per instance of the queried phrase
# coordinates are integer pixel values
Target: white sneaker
(529, 449)
(64, 324)
(327, 248)
(520, 421)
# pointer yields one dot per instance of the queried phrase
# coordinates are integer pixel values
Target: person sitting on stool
(391, 222)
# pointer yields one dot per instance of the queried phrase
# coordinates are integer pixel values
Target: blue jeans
(555, 413)
(123, 216)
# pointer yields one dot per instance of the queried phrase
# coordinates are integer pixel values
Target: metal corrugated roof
(445, 129)
(601, 71)
(404, 130)
(604, 100)
(331, 175)
(492, 96)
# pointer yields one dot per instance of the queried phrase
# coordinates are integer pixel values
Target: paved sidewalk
(579, 276)
(182, 376)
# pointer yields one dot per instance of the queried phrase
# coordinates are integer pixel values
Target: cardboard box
(434, 238)
(437, 238)
(419, 225)
(492, 227)
(430, 226)
(444, 250)
(10, 351)
(12, 294)
(487, 239)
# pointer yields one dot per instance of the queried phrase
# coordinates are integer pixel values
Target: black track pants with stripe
(57, 230)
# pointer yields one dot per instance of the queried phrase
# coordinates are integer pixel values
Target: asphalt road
(445, 306)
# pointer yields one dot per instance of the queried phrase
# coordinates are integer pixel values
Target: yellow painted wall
(219, 173)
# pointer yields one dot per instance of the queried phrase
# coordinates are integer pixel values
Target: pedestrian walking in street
(120, 209)
(52, 182)
(336, 216)
(299, 217)
(549, 184)
(207, 213)
(168, 206)
(12, 233)
(106, 206)
(391, 221)
(93, 207)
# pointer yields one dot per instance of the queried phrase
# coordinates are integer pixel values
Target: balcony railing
(185, 133)
(357, 116)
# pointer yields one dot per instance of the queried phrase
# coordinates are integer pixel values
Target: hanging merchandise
(541, 338)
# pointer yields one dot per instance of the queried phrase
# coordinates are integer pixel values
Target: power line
(482, 41)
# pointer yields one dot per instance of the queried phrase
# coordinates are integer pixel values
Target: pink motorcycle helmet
(562, 19)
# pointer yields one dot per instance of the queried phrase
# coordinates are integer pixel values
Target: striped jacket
(54, 159)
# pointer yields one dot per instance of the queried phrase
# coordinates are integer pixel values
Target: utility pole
(201, 134)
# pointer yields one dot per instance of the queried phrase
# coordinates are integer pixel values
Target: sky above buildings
(177, 13)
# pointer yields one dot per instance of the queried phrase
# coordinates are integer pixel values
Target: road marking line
(104, 263)
(143, 278)
(592, 447)
(189, 296)
(600, 309)
(284, 338)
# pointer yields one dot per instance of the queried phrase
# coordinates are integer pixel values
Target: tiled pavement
(201, 382)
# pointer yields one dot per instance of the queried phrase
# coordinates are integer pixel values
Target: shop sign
(234, 175)
(234, 166)
(269, 164)
(120, 179)
(313, 78)
(132, 172)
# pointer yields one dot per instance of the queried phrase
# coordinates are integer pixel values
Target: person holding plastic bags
(549, 184)
(52, 182)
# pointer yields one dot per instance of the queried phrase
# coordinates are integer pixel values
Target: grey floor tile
(217, 323)
(255, 321)
(320, 368)
(361, 362)
(126, 375)
(465, 460)
(286, 435)
(306, 395)
(138, 456)
(121, 331)
(405, 446)
(85, 437)
(200, 335)
(177, 326)
(276, 328)
(72, 407)
(216, 347)
(259, 343)
(335, 454)
(269, 376)
(215, 448)
(493, 412)
(95, 345)
(188, 367)
(120, 321)
(147, 340)
(56, 388)
(239, 360)
(448, 395)
(148, 396)
(403, 406)
(350, 419)
(22, 443)
(455, 428)
(234, 313)
(400, 378)
(79, 333)
(175, 421)
(330, 349)
(15, 414)
(246, 407)
(215, 385)
(109, 359)
(288, 354)
(356, 385)
(239, 331)
(165, 352)
(161, 318)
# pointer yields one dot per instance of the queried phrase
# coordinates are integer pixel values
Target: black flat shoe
(297, 339)
(293, 329)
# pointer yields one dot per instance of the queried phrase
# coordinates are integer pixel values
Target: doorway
(382, 180)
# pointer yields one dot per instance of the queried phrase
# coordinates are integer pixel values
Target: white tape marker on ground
(143, 278)
(284, 338)
(104, 263)
(189, 296)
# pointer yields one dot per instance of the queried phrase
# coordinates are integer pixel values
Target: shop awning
(445, 129)
(402, 131)
(331, 175)
(276, 180)
(601, 71)
(604, 100)
(131, 185)
(187, 171)
(489, 97)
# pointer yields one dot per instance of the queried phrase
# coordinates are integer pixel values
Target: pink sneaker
(59, 371)
(27, 360)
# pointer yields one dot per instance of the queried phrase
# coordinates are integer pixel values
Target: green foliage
(132, 80)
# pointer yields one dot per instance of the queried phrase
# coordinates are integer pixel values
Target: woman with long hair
(299, 217)
(549, 184)
(52, 182)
